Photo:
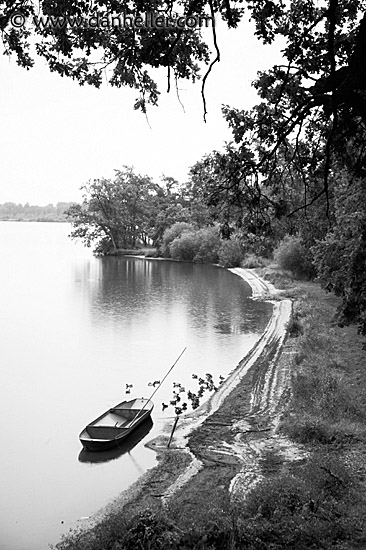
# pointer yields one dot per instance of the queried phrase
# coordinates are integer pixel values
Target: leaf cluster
(124, 54)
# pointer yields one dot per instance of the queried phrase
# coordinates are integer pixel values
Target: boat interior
(113, 422)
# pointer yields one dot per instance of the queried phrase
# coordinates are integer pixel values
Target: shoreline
(281, 460)
(156, 484)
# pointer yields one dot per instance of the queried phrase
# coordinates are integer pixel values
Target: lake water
(74, 331)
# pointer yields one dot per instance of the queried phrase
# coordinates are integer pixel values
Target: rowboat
(126, 446)
(116, 424)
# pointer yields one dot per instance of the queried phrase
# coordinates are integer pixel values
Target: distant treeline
(28, 212)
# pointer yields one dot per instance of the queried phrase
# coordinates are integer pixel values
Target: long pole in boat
(154, 392)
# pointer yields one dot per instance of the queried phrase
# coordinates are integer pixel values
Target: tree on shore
(114, 213)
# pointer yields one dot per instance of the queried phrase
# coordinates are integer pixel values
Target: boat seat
(125, 413)
(112, 420)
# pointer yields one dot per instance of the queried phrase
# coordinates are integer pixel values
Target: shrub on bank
(200, 246)
(209, 242)
(295, 328)
(182, 241)
(144, 531)
(292, 255)
(184, 247)
(230, 253)
(172, 233)
(251, 261)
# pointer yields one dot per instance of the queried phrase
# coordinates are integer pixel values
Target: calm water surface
(74, 331)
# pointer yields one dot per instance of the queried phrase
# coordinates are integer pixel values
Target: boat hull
(129, 443)
(101, 434)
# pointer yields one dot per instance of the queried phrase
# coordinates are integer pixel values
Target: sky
(56, 135)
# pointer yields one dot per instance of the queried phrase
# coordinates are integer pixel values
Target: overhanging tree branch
(216, 60)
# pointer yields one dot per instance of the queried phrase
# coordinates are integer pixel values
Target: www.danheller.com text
(155, 20)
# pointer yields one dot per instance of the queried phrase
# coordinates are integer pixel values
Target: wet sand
(256, 429)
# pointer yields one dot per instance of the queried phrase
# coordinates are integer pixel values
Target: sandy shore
(267, 393)
(265, 401)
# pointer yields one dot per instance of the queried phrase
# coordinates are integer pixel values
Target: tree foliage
(115, 213)
(173, 233)
(279, 175)
(341, 256)
(312, 109)
(325, 43)
(81, 40)
(292, 255)
(176, 203)
(131, 210)
(192, 244)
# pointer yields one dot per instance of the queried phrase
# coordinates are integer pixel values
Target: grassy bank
(317, 501)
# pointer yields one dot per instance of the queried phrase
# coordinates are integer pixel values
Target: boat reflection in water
(124, 447)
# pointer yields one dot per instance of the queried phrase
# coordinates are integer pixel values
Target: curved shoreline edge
(264, 397)
(271, 340)
(276, 328)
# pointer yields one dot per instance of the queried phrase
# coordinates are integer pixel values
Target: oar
(155, 390)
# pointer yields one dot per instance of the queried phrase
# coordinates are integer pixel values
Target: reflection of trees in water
(86, 272)
(123, 288)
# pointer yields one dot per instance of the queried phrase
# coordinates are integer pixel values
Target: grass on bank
(319, 502)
